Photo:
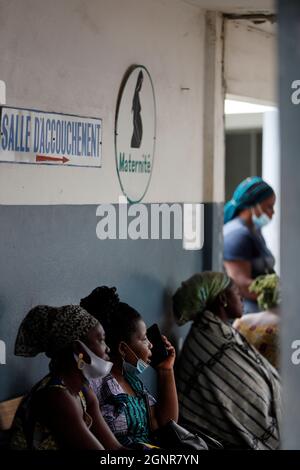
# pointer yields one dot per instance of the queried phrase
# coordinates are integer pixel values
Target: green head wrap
(197, 293)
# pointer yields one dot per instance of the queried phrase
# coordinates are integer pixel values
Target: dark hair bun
(103, 303)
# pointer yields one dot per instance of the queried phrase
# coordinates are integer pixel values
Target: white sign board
(135, 133)
(29, 136)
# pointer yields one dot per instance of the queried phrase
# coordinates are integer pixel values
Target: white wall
(250, 62)
(70, 56)
(271, 173)
(243, 121)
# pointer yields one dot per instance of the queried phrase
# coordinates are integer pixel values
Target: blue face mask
(139, 368)
(260, 221)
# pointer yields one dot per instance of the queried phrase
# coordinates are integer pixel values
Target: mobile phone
(159, 350)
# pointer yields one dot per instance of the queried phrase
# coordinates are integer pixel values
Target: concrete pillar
(289, 70)
(213, 140)
(271, 173)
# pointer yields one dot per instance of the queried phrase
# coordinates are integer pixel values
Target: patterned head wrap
(248, 193)
(197, 293)
(49, 329)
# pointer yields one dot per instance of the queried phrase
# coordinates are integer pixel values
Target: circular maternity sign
(135, 129)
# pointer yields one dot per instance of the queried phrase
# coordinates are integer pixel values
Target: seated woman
(225, 387)
(61, 411)
(262, 329)
(124, 401)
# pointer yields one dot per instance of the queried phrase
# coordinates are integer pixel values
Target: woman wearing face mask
(61, 411)
(123, 399)
(246, 255)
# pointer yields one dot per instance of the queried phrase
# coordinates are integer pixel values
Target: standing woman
(61, 411)
(246, 255)
(136, 110)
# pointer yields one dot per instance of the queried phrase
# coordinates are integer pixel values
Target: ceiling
(236, 6)
(240, 9)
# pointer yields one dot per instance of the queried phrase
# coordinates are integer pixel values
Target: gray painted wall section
(289, 59)
(212, 254)
(51, 255)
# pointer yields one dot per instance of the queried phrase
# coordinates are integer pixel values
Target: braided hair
(118, 319)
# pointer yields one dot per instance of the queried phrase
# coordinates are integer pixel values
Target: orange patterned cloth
(262, 331)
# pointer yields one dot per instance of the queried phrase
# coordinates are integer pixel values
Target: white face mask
(98, 366)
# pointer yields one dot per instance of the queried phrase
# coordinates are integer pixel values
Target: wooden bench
(7, 413)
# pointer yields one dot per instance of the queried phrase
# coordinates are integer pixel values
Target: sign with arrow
(38, 137)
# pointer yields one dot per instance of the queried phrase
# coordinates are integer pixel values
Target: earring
(225, 304)
(80, 362)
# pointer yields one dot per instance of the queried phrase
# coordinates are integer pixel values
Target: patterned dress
(126, 415)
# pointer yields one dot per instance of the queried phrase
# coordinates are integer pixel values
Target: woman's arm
(240, 272)
(167, 403)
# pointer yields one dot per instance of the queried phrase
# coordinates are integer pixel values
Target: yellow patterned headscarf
(49, 329)
(197, 293)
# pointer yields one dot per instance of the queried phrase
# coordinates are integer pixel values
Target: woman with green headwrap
(246, 255)
(225, 387)
(61, 411)
(262, 329)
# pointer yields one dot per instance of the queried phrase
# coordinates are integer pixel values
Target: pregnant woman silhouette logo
(135, 130)
(136, 110)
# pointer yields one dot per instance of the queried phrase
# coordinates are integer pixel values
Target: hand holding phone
(159, 350)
